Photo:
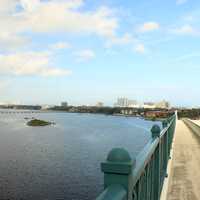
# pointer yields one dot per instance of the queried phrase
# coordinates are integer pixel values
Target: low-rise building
(99, 104)
(125, 102)
(157, 114)
(122, 102)
(163, 104)
(149, 105)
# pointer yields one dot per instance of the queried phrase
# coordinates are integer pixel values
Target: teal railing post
(166, 146)
(157, 172)
(118, 169)
(164, 123)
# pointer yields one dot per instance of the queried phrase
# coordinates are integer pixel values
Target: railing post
(166, 144)
(164, 123)
(118, 170)
(157, 172)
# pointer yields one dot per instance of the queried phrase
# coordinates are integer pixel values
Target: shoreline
(92, 113)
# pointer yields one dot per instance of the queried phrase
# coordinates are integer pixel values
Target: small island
(37, 122)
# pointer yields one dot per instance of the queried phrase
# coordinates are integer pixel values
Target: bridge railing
(140, 178)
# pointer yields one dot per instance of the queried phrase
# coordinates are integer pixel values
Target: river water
(62, 161)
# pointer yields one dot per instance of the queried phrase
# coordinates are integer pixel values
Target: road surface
(184, 183)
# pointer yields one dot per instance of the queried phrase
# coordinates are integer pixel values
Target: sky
(85, 51)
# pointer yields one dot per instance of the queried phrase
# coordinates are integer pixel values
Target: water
(62, 161)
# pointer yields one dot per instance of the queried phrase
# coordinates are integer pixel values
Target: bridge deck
(184, 180)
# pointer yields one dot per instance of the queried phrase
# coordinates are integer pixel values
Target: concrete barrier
(192, 126)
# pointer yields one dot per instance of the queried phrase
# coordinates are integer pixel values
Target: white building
(125, 102)
(46, 107)
(133, 104)
(122, 102)
(163, 104)
(99, 104)
(149, 105)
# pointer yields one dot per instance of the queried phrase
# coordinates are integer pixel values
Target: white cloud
(85, 55)
(60, 45)
(30, 63)
(19, 17)
(64, 16)
(149, 26)
(125, 39)
(10, 41)
(29, 5)
(179, 2)
(139, 48)
(186, 30)
(7, 6)
(55, 16)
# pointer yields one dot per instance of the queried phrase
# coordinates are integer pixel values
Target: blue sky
(84, 51)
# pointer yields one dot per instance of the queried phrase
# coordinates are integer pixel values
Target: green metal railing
(140, 178)
(192, 126)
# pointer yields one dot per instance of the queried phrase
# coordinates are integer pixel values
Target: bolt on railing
(140, 178)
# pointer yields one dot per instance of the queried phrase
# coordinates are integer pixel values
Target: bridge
(166, 169)
(20, 111)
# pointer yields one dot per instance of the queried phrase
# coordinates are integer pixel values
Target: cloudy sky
(84, 51)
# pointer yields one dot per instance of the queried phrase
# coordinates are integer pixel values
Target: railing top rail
(113, 192)
(143, 158)
(145, 155)
(165, 129)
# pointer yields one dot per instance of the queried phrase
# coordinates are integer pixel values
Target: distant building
(125, 102)
(157, 114)
(64, 104)
(149, 105)
(163, 104)
(99, 104)
(122, 102)
(133, 104)
(46, 107)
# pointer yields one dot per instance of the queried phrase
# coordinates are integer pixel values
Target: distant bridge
(20, 112)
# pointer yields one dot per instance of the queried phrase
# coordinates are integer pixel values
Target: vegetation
(149, 114)
(37, 122)
(88, 109)
(189, 113)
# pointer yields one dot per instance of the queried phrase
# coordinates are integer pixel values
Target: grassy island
(37, 122)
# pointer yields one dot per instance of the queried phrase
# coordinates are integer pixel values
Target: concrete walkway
(184, 180)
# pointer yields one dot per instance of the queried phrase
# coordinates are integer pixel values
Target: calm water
(62, 161)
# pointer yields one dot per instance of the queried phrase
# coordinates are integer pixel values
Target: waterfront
(62, 161)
